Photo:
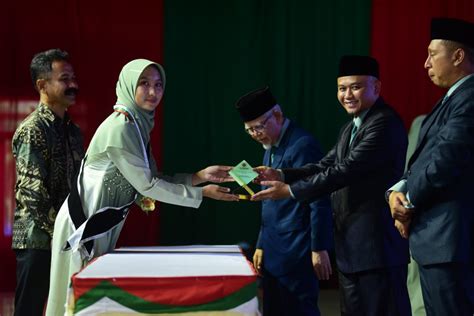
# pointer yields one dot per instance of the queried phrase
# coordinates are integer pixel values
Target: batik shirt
(47, 151)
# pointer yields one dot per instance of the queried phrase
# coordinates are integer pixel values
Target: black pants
(448, 289)
(32, 281)
(292, 294)
(375, 292)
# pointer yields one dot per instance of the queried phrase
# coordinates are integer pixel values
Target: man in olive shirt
(47, 148)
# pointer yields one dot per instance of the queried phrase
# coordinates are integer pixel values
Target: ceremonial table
(181, 280)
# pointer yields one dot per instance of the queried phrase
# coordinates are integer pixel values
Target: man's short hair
(42, 63)
(452, 46)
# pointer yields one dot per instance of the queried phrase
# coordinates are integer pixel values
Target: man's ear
(377, 86)
(40, 84)
(458, 56)
(279, 116)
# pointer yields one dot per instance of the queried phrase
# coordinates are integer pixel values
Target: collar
(48, 114)
(360, 118)
(457, 84)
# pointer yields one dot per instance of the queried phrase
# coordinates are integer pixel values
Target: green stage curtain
(215, 51)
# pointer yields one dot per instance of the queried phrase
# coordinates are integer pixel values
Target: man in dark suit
(433, 202)
(370, 153)
(294, 237)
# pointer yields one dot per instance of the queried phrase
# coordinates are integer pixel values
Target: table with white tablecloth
(187, 280)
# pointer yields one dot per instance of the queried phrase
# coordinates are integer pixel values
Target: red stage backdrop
(100, 36)
(400, 37)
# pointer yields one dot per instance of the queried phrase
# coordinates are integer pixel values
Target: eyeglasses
(259, 127)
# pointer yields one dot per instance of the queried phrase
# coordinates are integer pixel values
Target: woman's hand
(216, 192)
(216, 174)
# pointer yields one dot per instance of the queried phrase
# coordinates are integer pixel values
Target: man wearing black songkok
(292, 247)
(434, 198)
(369, 155)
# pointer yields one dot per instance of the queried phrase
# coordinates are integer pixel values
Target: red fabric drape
(100, 38)
(400, 37)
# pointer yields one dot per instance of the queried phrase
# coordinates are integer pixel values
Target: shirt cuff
(282, 178)
(409, 205)
(291, 192)
(400, 186)
(282, 175)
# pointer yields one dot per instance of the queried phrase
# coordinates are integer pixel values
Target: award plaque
(243, 174)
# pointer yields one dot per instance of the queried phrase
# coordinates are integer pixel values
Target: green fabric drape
(215, 51)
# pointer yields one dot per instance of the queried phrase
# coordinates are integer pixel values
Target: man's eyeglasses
(258, 128)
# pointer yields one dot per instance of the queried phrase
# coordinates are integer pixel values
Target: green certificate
(243, 174)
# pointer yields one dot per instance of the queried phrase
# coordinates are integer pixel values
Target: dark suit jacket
(291, 229)
(357, 176)
(439, 182)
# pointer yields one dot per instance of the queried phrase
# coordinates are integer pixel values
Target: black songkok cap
(453, 30)
(353, 65)
(255, 104)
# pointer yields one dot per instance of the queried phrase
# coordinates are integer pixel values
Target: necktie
(353, 132)
(272, 154)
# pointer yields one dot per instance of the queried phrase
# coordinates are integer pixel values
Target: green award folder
(243, 174)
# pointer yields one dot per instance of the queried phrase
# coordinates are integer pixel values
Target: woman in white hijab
(118, 170)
